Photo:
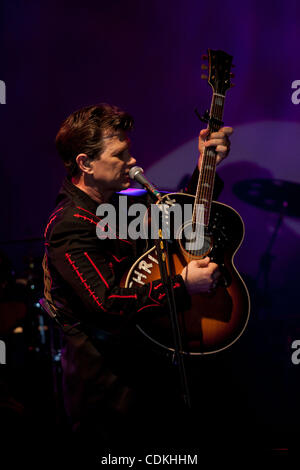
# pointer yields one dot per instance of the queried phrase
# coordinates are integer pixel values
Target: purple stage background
(145, 56)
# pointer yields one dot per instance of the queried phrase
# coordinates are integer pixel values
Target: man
(109, 376)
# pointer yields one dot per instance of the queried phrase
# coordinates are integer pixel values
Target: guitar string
(217, 112)
(212, 157)
(201, 191)
(206, 174)
(197, 198)
(218, 109)
(204, 193)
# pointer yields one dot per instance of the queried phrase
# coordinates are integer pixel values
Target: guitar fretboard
(207, 171)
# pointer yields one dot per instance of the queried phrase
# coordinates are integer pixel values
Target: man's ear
(83, 163)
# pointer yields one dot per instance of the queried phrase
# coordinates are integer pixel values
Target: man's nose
(132, 161)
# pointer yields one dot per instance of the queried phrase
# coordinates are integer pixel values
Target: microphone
(136, 173)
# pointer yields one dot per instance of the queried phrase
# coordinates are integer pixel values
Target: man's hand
(219, 140)
(200, 276)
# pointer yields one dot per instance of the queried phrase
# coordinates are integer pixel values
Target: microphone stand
(164, 268)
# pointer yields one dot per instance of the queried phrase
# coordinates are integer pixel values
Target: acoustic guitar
(218, 318)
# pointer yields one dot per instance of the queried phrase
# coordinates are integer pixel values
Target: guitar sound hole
(194, 241)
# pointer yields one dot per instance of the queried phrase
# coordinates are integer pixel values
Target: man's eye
(121, 155)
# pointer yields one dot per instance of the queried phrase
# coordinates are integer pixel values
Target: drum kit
(271, 195)
(31, 339)
(20, 311)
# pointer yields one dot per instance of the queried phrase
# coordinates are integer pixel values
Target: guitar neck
(205, 186)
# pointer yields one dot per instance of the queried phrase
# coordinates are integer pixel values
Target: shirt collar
(69, 190)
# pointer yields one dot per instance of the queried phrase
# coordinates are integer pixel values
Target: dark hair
(82, 132)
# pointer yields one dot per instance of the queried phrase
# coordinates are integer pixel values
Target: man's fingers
(203, 135)
(204, 132)
(223, 133)
(203, 263)
(214, 279)
(221, 149)
(216, 274)
(215, 142)
(206, 263)
(226, 130)
(220, 140)
(217, 135)
(212, 267)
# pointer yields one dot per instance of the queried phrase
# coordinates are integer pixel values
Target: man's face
(111, 169)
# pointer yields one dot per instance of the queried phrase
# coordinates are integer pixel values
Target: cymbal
(270, 195)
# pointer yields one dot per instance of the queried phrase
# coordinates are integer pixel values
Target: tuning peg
(204, 77)
(232, 85)
(232, 75)
(204, 67)
(204, 57)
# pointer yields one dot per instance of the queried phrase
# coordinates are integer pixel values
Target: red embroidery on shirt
(157, 304)
(156, 287)
(102, 228)
(96, 269)
(85, 210)
(55, 212)
(52, 217)
(134, 296)
(146, 306)
(122, 239)
(85, 218)
(88, 288)
(149, 295)
(163, 295)
(118, 260)
(48, 225)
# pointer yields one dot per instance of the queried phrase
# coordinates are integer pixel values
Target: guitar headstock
(219, 70)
